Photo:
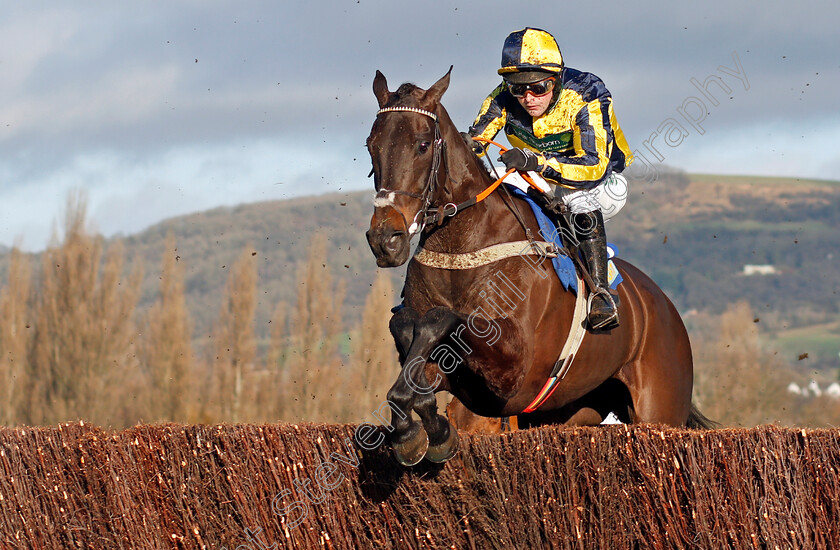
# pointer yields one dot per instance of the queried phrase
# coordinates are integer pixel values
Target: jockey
(561, 125)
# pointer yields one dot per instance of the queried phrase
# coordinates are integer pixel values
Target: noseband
(429, 190)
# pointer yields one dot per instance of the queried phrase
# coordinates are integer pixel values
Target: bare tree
(314, 375)
(83, 363)
(14, 338)
(737, 383)
(234, 340)
(166, 349)
(374, 361)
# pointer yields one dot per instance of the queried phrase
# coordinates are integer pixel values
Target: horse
(463, 420)
(491, 333)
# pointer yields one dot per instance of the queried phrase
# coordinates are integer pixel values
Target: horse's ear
(380, 89)
(436, 91)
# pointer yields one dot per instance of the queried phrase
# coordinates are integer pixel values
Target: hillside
(697, 235)
(692, 233)
(279, 232)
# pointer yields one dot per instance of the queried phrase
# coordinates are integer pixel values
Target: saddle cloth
(563, 265)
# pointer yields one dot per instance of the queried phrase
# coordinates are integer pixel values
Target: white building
(755, 269)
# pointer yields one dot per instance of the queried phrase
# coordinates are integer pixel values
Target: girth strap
(567, 355)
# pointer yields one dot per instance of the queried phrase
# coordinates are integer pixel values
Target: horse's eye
(424, 146)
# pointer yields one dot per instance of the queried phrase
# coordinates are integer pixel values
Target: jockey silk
(578, 136)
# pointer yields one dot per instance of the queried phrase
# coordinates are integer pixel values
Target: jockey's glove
(523, 160)
(476, 146)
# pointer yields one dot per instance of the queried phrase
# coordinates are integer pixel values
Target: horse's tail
(698, 421)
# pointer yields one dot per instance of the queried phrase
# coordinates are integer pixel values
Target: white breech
(609, 196)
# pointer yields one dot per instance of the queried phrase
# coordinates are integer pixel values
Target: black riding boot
(589, 228)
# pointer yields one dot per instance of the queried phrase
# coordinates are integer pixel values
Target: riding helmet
(529, 54)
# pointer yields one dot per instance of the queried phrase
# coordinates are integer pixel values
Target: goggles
(537, 88)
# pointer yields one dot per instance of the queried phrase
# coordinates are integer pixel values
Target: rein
(449, 210)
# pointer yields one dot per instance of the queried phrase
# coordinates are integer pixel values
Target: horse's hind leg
(660, 382)
(412, 390)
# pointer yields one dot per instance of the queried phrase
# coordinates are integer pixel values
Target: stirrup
(609, 322)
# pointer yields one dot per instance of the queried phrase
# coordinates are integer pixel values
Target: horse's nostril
(395, 240)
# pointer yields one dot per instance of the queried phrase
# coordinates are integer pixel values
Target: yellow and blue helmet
(529, 53)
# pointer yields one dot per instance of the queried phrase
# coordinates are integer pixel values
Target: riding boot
(589, 228)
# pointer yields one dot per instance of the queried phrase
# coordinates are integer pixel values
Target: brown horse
(491, 333)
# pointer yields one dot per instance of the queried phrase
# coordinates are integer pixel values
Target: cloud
(165, 108)
(106, 105)
(127, 194)
(27, 37)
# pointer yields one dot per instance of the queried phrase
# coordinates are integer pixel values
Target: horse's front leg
(434, 438)
(402, 330)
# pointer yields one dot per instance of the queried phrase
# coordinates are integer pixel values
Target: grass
(820, 342)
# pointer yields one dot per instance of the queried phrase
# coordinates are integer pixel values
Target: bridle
(438, 153)
(427, 214)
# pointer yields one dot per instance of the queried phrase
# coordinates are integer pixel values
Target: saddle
(556, 228)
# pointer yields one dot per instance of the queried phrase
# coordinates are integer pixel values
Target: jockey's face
(536, 105)
(535, 96)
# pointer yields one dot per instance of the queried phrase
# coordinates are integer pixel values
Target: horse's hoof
(446, 450)
(412, 451)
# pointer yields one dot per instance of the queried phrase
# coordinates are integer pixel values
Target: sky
(158, 109)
